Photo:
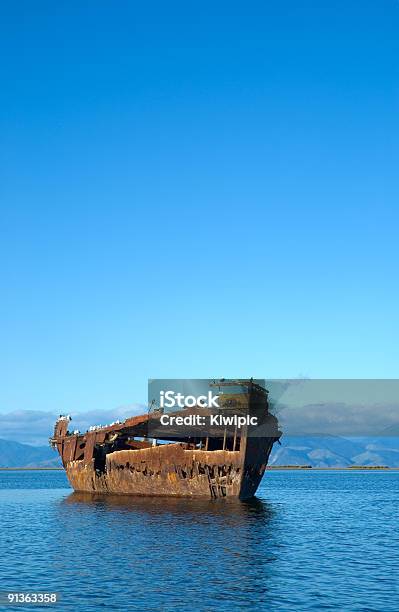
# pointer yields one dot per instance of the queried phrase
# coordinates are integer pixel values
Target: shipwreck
(153, 456)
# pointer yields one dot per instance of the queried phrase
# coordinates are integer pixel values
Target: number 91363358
(26, 598)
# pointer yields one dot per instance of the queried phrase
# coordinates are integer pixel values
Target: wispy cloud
(340, 419)
(35, 426)
(303, 407)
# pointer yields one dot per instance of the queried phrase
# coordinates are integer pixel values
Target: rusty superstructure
(139, 456)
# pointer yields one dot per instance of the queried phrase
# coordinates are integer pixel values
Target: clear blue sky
(193, 190)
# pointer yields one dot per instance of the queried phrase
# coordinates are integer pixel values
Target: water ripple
(310, 541)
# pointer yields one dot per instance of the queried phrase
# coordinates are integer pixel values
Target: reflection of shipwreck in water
(141, 456)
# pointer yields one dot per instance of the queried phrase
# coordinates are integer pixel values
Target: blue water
(313, 540)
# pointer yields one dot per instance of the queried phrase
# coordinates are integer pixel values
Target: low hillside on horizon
(15, 454)
(335, 451)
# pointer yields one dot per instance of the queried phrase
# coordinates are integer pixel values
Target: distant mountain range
(317, 451)
(334, 451)
(15, 454)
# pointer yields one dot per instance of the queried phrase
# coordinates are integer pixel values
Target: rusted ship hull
(112, 460)
(171, 470)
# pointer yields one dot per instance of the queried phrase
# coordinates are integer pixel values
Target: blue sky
(190, 191)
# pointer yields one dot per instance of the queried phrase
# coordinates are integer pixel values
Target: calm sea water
(311, 541)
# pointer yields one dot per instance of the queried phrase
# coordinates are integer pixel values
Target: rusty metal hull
(171, 470)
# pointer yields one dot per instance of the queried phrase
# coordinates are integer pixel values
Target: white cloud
(35, 426)
(340, 419)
